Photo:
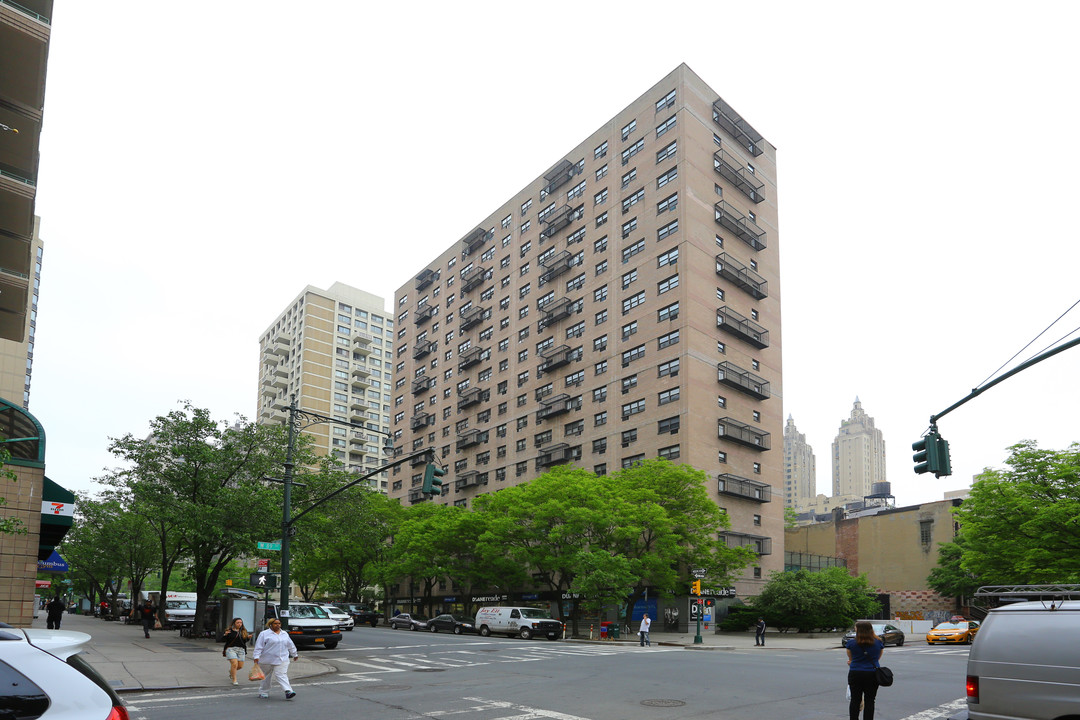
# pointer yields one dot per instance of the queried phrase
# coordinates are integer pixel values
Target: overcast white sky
(202, 162)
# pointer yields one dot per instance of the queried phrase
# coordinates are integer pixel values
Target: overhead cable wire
(1031, 341)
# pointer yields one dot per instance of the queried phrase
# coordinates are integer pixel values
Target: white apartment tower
(332, 350)
(800, 468)
(623, 305)
(858, 456)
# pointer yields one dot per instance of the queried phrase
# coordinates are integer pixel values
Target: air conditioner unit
(625, 417)
(626, 444)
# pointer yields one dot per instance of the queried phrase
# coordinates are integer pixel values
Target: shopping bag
(256, 673)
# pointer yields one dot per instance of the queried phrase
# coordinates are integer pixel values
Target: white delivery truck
(524, 622)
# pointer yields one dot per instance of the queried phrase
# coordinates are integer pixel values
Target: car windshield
(332, 609)
(952, 626)
(307, 611)
(533, 613)
(179, 605)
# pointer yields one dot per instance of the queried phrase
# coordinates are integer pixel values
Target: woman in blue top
(863, 654)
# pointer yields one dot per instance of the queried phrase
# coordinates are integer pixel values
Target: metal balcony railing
(472, 396)
(746, 279)
(470, 357)
(553, 455)
(727, 484)
(553, 312)
(424, 313)
(555, 358)
(730, 321)
(744, 381)
(555, 266)
(553, 406)
(470, 438)
(472, 317)
(474, 278)
(735, 126)
(739, 225)
(743, 434)
(738, 175)
(422, 384)
(475, 240)
(466, 479)
(758, 543)
(423, 348)
(557, 177)
(421, 420)
(556, 222)
(425, 278)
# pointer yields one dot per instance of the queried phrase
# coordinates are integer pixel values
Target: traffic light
(433, 479)
(932, 455)
(695, 587)
(925, 456)
(709, 602)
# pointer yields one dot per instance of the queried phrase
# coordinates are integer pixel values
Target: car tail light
(119, 712)
(973, 689)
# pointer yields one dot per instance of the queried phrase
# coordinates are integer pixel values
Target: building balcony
(475, 240)
(741, 131)
(474, 278)
(555, 311)
(470, 438)
(362, 343)
(422, 384)
(554, 455)
(739, 225)
(556, 221)
(746, 279)
(360, 371)
(555, 266)
(744, 381)
(555, 358)
(473, 317)
(469, 478)
(279, 380)
(360, 383)
(758, 543)
(738, 175)
(471, 357)
(417, 496)
(748, 435)
(279, 345)
(472, 396)
(418, 461)
(557, 177)
(357, 413)
(730, 321)
(424, 313)
(423, 348)
(268, 390)
(425, 278)
(421, 420)
(553, 406)
(727, 484)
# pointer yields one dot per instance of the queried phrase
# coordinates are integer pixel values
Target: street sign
(698, 572)
(262, 565)
(269, 545)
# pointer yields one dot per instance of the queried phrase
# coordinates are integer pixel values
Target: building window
(667, 177)
(600, 368)
(629, 128)
(633, 408)
(668, 396)
(599, 447)
(669, 258)
(669, 453)
(600, 198)
(665, 126)
(628, 178)
(668, 426)
(666, 152)
(668, 283)
(668, 369)
(632, 302)
(670, 229)
(667, 340)
(666, 101)
(600, 418)
(600, 318)
(669, 312)
(926, 531)
(599, 152)
(627, 227)
(628, 278)
(669, 203)
(602, 172)
(757, 468)
(632, 150)
(599, 394)
(757, 520)
(721, 401)
(633, 250)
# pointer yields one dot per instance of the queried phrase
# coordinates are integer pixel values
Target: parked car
(362, 614)
(889, 634)
(410, 622)
(450, 623)
(1025, 664)
(341, 617)
(309, 625)
(42, 676)
(958, 631)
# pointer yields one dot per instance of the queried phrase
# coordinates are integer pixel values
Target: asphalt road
(396, 675)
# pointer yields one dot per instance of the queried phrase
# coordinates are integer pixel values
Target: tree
(92, 551)
(812, 601)
(949, 578)
(791, 518)
(1020, 524)
(9, 525)
(200, 483)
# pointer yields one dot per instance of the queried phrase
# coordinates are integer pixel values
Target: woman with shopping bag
(273, 651)
(863, 653)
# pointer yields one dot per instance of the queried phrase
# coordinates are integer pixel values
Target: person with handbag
(863, 652)
(235, 650)
(275, 648)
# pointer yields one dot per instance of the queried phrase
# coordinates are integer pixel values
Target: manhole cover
(430, 670)
(662, 703)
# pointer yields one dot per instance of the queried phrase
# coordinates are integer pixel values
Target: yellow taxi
(956, 630)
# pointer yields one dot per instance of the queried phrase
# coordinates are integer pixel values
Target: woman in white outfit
(274, 648)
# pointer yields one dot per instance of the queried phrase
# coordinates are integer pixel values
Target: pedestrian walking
(274, 649)
(863, 652)
(148, 614)
(759, 637)
(54, 613)
(235, 650)
(643, 630)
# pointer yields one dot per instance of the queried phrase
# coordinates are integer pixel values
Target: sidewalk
(130, 662)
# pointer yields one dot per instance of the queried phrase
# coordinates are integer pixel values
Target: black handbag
(884, 676)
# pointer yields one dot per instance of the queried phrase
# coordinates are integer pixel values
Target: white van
(524, 622)
(180, 609)
(309, 625)
(1025, 663)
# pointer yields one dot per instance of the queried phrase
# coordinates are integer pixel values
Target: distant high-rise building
(579, 323)
(858, 456)
(800, 468)
(332, 350)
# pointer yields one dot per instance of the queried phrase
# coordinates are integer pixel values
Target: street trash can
(614, 630)
(604, 630)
